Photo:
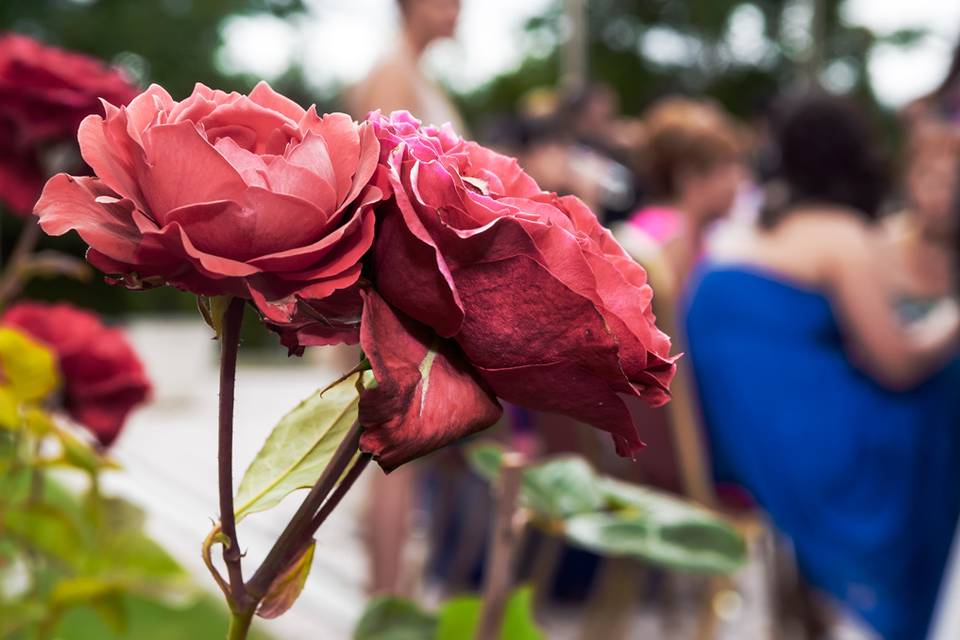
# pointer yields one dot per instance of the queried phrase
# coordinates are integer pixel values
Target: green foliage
(63, 550)
(85, 552)
(299, 447)
(619, 56)
(614, 518)
(390, 618)
(144, 619)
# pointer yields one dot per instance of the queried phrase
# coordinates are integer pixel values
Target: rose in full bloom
(486, 287)
(44, 94)
(224, 194)
(103, 379)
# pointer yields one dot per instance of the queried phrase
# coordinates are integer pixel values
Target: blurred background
(511, 58)
(667, 117)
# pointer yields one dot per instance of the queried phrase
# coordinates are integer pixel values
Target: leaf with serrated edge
(299, 447)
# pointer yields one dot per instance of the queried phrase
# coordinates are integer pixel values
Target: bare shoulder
(831, 226)
(844, 247)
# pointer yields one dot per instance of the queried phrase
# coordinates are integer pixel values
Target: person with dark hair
(397, 82)
(842, 421)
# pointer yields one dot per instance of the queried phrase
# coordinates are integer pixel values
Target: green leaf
(111, 609)
(82, 590)
(485, 459)
(286, 588)
(518, 622)
(562, 487)
(45, 529)
(616, 518)
(212, 309)
(78, 453)
(553, 490)
(658, 528)
(390, 618)
(458, 618)
(299, 448)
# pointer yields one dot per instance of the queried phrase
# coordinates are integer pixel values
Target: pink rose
(249, 196)
(516, 293)
(44, 94)
(103, 379)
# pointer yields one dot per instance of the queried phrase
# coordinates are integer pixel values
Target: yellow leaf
(27, 368)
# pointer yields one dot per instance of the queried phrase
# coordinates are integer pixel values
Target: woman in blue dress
(840, 419)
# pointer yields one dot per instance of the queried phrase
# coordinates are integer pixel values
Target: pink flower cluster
(462, 280)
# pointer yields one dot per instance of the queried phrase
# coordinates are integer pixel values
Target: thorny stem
(229, 345)
(301, 527)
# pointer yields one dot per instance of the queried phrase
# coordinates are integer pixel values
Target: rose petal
(266, 97)
(427, 396)
(183, 169)
(416, 278)
(568, 389)
(69, 203)
(342, 139)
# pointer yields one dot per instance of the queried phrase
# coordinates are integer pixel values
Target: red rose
(44, 94)
(103, 380)
(221, 193)
(520, 293)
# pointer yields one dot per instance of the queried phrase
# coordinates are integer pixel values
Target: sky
(337, 41)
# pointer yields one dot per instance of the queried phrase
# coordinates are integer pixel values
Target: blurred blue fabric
(865, 481)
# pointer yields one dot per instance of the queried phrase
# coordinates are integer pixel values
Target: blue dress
(864, 481)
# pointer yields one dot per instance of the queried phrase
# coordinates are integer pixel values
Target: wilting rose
(44, 94)
(223, 194)
(518, 293)
(103, 379)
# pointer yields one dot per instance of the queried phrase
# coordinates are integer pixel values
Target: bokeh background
(509, 59)
(739, 53)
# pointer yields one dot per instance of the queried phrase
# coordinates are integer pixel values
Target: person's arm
(895, 356)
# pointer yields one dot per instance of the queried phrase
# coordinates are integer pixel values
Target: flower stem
(301, 526)
(240, 624)
(229, 345)
(12, 280)
(503, 548)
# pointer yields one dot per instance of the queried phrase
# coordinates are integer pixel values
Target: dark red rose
(427, 390)
(103, 379)
(44, 94)
(224, 194)
(531, 298)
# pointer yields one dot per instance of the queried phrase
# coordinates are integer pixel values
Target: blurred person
(694, 168)
(839, 419)
(397, 82)
(602, 148)
(942, 103)
(923, 238)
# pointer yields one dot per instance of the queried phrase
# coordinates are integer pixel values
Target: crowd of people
(814, 282)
